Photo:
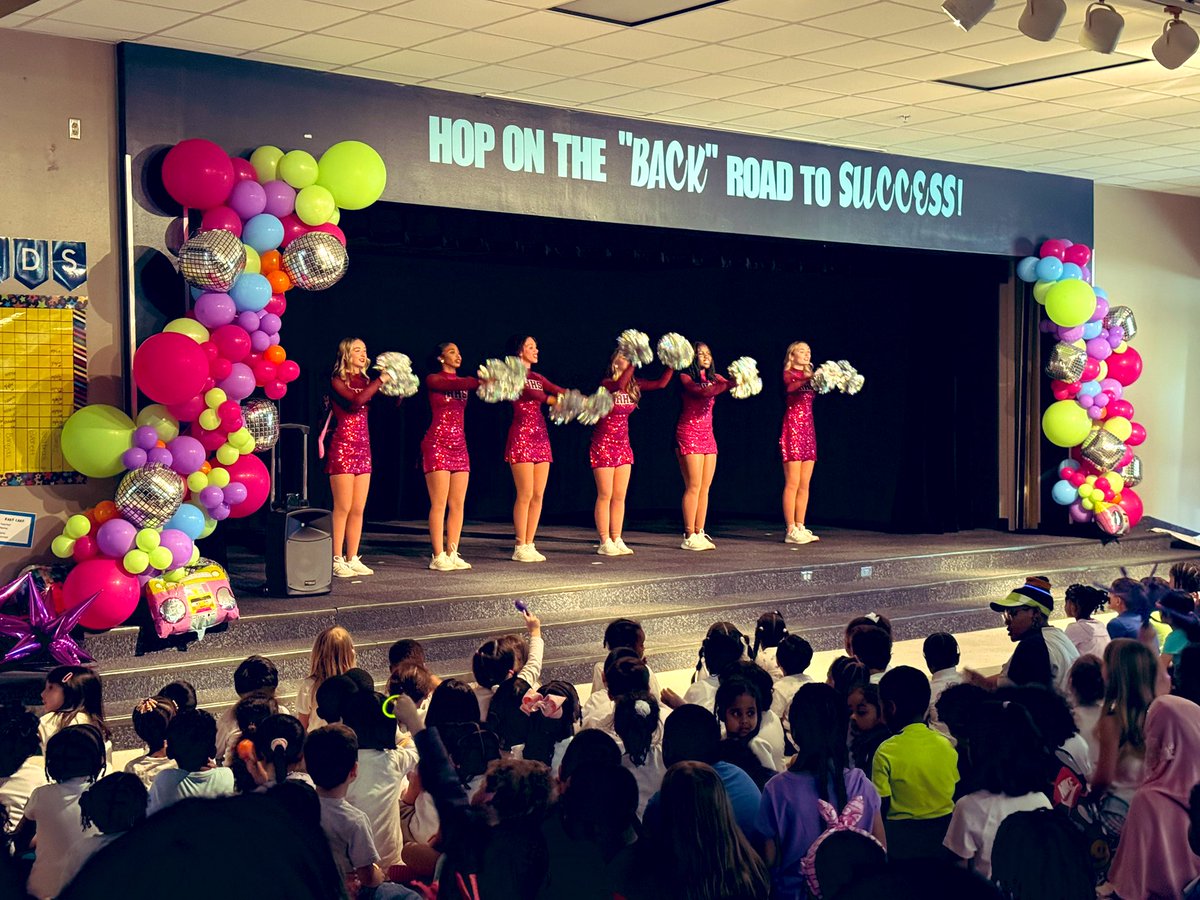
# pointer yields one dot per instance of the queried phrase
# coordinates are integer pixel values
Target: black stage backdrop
(915, 451)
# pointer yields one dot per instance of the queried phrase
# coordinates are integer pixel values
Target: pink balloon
(118, 592)
(1132, 504)
(189, 410)
(170, 368)
(1055, 248)
(330, 228)
(222, 218)
(232, 342)
(276, 306)
(1138, 435)
(242, 170)
(1125, 367)
(85, 548)
(1121, 409)
(251, 472)
(1080, 254)
(292, 229)
(198, 174)
(275, 390)
(1126, 458)
(210, 440)
(219, 369)
(288, 371)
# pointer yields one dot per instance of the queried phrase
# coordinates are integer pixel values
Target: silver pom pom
(501, 380)
(744, 372)
(596, 407)
(675, 351)
(212, 260)
(149, 496)
(398, 368)
(837, 376)
(635, 346)
(567, 406)
(315, 261)
(853, 380)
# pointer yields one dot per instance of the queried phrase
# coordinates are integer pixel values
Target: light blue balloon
(1027, 269)
(187, 519)
(196, 291)
(250, 292)
(1091, 330)
(1068, 463)
(1049, 268)
(1100, 292)
(263, 232)
(1064, 493)
(1089, 389)
(1070, 270)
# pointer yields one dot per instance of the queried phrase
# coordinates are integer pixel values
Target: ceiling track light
(1178, 42)
(1102, 27)
(966, 14)
(1041, 19)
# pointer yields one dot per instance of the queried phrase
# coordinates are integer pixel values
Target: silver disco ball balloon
(315, 261)
(212, 260)
(261, 418)
(1102, 449)
(1132, 472)
(1066, 362)
(1122, 316)
(149, 496)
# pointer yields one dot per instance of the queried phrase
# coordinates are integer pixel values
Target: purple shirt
(788, 815)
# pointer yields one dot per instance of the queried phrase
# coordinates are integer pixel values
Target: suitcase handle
(304, 430)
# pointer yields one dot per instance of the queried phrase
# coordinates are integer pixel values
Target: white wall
(1148, 258)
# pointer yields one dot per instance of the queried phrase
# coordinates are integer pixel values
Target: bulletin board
(43, 380)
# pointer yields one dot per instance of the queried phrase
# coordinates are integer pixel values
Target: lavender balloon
(1117, 331)
(248, 321)
(1101, 400)
(260, 341)
(133, 458)
(1087, 401)
(1070, 335)
(1114, 387)
(1078, 513)
(116, 537)
(179, 544)
(220, 513)
(160, 455)
(240, 383)
(1095, 412)
(1086, 274)
(280, 198)
(1099, 348)
(145, 437)
(214, 310)
(270, 323)
(187, 454)
(212, 496)
(247, 199)
(234, 493)
(274, 341)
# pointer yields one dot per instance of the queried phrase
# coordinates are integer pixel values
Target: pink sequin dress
(350, 446)
(610, 437)
(694, 431)
(528, 440)
(444, 447)
(798, 441)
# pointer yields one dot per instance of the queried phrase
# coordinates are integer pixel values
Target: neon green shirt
(917, 769)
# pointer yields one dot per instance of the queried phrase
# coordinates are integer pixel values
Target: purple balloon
(1114, 340)
(220, 513)
(1047, 326)
(211, 496)
(274, 342)
(187, 455)
(1086, 274)
(145, 437)
(280, 198)
(1087, 401)
(1070, 335)
(1099, 348)
(1078, 513)
(260, 341)
(235, 493)
(160, 455)
(116, 537)
(1101, 309)
(270, 323)
(133, 458)
(215, 310)
(1095, 412)
(179, 544)
(1113, 386)
(248, 321)
(1117, 331)
(240, 383)
(247, 199)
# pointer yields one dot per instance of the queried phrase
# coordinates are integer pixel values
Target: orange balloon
(160, 444)
(279, 281)
(104, 511)
(270, 261)
(275, 354)
(205, 467)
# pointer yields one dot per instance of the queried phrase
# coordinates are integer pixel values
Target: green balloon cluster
(94, 438)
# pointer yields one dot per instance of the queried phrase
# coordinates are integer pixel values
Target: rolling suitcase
(299, 554)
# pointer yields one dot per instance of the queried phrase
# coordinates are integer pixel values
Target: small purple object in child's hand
(520, 605)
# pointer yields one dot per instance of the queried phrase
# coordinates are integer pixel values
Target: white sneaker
(527, 553)
(625, 551)
(520, 554)
(441, 563)
(809, 536)
(358, 567)
(705, 541)
(534, 556)
(608, 548)
(458, 562)
(341, 568)
(692, 542)
(794, 535)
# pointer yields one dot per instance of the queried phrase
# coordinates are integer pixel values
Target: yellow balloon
(1103, 370)
(215, 398)
(197, 482)
(1087, 504)
(1119, 427)
(147, 540)
(253, 261)
(160, 419)
(209, 420)
(62, 546)
(1122, 347)
(266, 163)
(77, 526)
(1065, 423)
(227, 455)
(1100, 506)
(190, 327)
(1081, 344)
(160, 557)
(219, 477)
(1070, 302)
(136, 562)
(1115, 481)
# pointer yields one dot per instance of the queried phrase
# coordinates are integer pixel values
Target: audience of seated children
(332, 654)
(872, 646)
(254, 673)
(21, 765)
(552, 716)
(793, 657)
(73, 695)
(867, 728)
(114, 804)
(636, 723)
(1086, 680)
(628, 634)
(722, 646)
(249, 712)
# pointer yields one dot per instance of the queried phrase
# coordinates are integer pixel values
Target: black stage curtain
(914, 452)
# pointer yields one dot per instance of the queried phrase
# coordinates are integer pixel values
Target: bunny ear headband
(549, 705)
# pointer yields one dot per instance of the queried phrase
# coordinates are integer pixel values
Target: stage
(924, 583)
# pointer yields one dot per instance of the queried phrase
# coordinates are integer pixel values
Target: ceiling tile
(787, 71)
(634, 45)
(1016, 49)
(717, 110)
(121, 16)
(1189, 120)
(494, 79)
(783, 96)
(561, 61)
(415, 63)
(458, 13)
(648, 102)
(1135, 130)
(833, 129)
(928, 67)
(550, 28)
(43, 7)
(326, 49)
(294, 62)
(976, 101)
(1030, 112)
(1164, 107)
(387, 30)
(193, 6)
(776, 120)
(919, 92)
(716, 87)
(575, 90)
(300, 15)
(484, 48)
(792, 40)
(787, 10)
(712, 23)
(945, 37)
(879, 19)
(229, 33)
(1105, 99)
(644, 75)
(869, 54)
(855, 82)
(362, 5)
(1053, 89)
(1011, 133)
(80, 31)
(1058, 140)
(908, 116)
(714, 58)
(846, 106)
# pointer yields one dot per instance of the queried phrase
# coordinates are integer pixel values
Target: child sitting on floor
(192, 743)
(768, 633)
(505, 656)
(624, 633)
(151, 718)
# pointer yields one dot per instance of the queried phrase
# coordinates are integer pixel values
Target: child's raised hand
(532, 623)
(407, 714)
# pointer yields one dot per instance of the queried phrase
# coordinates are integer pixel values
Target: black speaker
(300, 552)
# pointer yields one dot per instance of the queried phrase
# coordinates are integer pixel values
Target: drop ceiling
(861, 75)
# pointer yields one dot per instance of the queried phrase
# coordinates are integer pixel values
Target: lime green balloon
(1087, 504)
(197, 482)
(1119, 427)
(336, 216)
(1066, 423)
(77, 526)
(1070, 302)
(266, 163)
(219, 477)
(174, 575)
(94, 438)
(160, 557)
(160, 419)
(239, 437)
(147, 539)
(195, 557)
(298, 168)
(227, 455)
(190, 327)
(136, 562)
(253, 260)
(210, 525)
(209, 420)
(314, 205)
(214, 398)
(1041, 289)
(62, 546)
(354, 173)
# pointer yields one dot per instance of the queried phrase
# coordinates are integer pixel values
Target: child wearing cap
(915, 771)
(1043, 654)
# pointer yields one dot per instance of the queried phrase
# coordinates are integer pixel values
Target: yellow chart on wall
(43, 379)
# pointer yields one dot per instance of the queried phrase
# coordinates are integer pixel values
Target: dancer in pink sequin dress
(798, 442)
(444, 457)
(349, 460)
(611, 454)
(528, 450)
(696, 446)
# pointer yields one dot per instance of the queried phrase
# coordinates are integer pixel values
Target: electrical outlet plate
(74, 129)
(806, 575)
(866, 571)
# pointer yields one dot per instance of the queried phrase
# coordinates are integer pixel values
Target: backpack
(849, 820)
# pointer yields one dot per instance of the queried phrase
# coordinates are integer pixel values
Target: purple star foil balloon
(44, 630)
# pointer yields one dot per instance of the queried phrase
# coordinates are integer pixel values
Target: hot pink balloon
(288, 371)
(277, 305)
(1080, 254)
(1138, 435)
(232, 342)
(1132, 504)
(1125, 367)
(250, 471)
(85, 548)
(189, 410)
(330, 228)
(210, 440)
(292, 229)
(170, 368)
(1056, 248)
(198, 174)
(222, 218)
(276, 390)
(1121, 409)
(118, 592)
(242, 170)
